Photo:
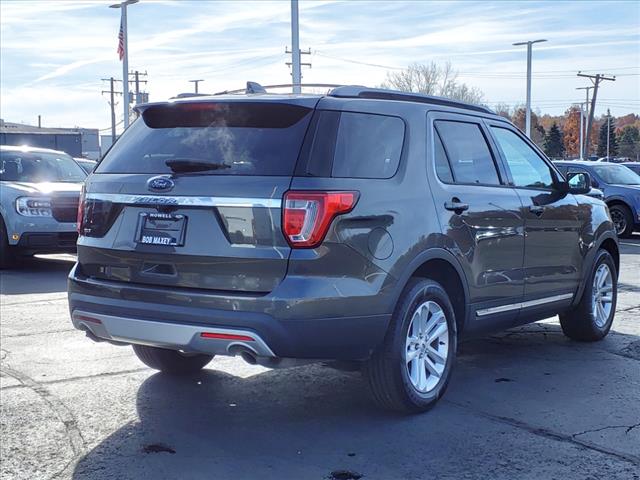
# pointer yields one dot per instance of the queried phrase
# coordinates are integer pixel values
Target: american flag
(121, 42)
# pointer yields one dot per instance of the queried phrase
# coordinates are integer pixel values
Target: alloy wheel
(602, 295)
(427, 346)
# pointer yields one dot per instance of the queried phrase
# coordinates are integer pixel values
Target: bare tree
(432, 79)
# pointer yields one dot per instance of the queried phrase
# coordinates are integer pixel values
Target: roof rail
(190, 94)
(355, 91)
(253, 87)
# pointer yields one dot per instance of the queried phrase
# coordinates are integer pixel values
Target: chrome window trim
(516, 306)
(185, 201)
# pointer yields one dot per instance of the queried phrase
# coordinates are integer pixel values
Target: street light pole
(196, 82)
(125, 59)
(295, 48)
(529, 49)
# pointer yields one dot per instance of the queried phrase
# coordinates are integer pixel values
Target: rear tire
(622, 220)
(410, 371)
(591, 319)
(170, 361)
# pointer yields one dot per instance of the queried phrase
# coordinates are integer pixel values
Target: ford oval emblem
(160, 184)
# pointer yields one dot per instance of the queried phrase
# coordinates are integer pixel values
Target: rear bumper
(177, 336)
(129, 314)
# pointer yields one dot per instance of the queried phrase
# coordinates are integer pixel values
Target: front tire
(411, 369)
(171, 361)
(7, 252)
(592, 318)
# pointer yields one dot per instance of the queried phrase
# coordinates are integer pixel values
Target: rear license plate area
(161, 229)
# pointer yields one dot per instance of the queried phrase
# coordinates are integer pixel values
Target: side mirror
(579, 182)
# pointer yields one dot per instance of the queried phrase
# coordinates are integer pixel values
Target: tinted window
(468, 153)
(39, 167)
(367, 146)
(443, 169)
(526, 166)
(236, 138)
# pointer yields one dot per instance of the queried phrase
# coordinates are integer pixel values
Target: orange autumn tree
(571, 131)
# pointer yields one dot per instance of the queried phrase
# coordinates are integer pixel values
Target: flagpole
(125, 58)
(125, 67)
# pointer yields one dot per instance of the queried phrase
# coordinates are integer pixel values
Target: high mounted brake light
(308, 214)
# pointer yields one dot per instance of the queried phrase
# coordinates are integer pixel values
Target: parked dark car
(365, 225)
(621, 188)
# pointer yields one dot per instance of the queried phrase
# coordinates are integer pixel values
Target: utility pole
(39, 121)
(136, 83)
(595, 79)
(586, 113)
(125, 58)
(529, 45)
(196, 82)
(581, 132)
(302, 64)
(112, 103)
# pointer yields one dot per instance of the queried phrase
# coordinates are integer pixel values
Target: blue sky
(54, 53)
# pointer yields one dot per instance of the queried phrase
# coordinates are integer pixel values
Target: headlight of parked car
(34, 206)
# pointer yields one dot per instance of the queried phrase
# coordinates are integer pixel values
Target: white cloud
(60, 63)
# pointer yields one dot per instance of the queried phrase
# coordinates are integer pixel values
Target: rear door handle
(536, 209)
(455, 205)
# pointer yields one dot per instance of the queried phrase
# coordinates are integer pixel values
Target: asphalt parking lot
(527, 403)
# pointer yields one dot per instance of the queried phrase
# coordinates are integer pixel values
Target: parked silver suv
(39, 191)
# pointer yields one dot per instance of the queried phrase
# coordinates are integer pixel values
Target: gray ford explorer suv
(39, 191)
(363, 225)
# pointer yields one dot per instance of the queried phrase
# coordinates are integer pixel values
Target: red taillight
(308, 215)
(226, 336)
(80, 216)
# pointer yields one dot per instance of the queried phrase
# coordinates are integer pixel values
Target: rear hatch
(190, 195)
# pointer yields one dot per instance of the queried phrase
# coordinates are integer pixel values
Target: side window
(443, 169)
(468, 153)
(526, 166)
(367, 146)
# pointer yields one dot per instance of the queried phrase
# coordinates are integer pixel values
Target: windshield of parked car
(617, 174)
(35, 167)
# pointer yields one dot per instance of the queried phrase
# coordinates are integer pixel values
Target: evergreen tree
(602, 139)
(553, 142)
(630, 142)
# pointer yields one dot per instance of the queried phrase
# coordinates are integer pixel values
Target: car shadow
(42, 274)
(309, 421)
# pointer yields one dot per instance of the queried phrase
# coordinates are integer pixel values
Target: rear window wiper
(186, 165)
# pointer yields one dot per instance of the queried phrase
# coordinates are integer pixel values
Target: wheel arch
(617, 201)
(608, 242)
(441, 266)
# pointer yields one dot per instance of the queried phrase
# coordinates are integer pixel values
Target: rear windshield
(35, 167)
(236, 138)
